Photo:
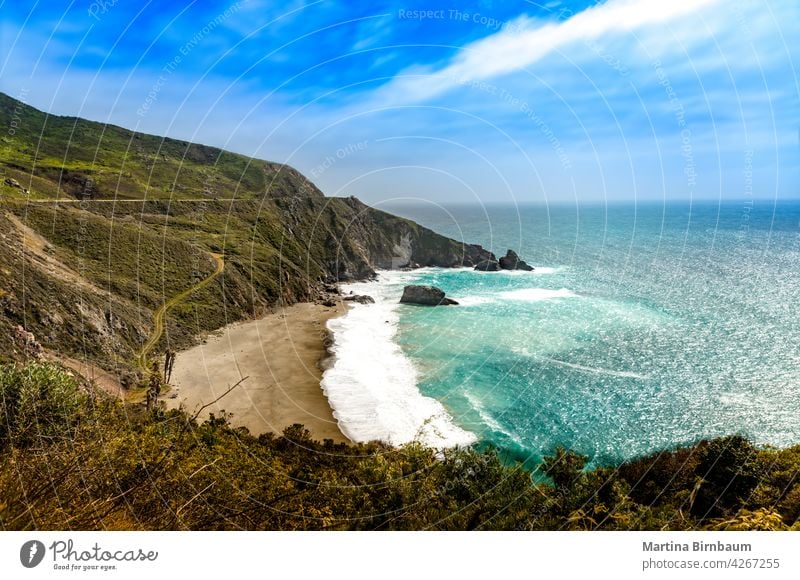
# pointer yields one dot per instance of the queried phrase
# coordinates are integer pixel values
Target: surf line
(371, 384)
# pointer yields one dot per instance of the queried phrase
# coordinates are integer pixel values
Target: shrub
(39, 402)
(730, 470)
(565, 468)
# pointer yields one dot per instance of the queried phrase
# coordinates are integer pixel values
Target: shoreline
(282, 355)
(372, 384)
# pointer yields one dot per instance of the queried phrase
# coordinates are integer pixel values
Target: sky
(441, 101)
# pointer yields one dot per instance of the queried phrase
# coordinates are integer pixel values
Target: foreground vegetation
(71, 459)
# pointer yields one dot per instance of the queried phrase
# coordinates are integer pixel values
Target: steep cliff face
(380, 240)
(137, 218)
(344, 239)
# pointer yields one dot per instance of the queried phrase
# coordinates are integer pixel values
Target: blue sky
(485, 101)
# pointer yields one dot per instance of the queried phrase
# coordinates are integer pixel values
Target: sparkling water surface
(641, 328)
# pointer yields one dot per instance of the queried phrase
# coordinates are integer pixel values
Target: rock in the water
(360, 298)
(426, 296)
(511, 261)
(487, 266)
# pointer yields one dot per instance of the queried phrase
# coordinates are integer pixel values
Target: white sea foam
(537, 294)
(372, 385)
(474, 300)
(479, 408)
(742, 400)
(587, 369)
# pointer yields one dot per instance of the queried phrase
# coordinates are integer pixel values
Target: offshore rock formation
(487, 266)
(511, 261)
(425, 296)
(360, 298)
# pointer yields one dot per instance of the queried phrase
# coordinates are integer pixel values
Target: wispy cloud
(525, 41)
(571, 107)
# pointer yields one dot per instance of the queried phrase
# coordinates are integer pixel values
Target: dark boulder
(426, 296)
(487, 266)
(511, 261)
(360, 298)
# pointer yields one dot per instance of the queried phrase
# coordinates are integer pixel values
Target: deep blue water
(642, 328)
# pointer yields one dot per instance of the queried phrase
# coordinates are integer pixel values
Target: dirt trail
(159, 315)
(38, 249)
(101, 378)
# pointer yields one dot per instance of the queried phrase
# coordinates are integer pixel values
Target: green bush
(730, 469)
(39, 402)
(565, 468)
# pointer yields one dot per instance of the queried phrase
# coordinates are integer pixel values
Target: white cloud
(525, 41)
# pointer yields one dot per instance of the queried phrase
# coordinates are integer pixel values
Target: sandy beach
(280, 355)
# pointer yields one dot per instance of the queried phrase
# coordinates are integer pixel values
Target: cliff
(137, 220)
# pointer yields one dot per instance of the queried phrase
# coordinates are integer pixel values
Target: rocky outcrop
(367, 239)
(511, 261)
(27, 342)
(360, 298)
(487, 266)
(425, 296)
(11, 182)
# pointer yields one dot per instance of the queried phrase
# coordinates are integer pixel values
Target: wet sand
(280, 354)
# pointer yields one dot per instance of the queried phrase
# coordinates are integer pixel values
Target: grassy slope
(69, 157)
(142, 213)
(60, 314)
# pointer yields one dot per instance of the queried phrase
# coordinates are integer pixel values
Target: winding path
(160, 314)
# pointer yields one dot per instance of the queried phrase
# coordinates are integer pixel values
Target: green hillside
(103, 225)
(56, 156)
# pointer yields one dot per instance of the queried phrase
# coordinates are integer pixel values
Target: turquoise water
(642, 327)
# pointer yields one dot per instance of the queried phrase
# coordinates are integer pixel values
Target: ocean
(642, 327)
